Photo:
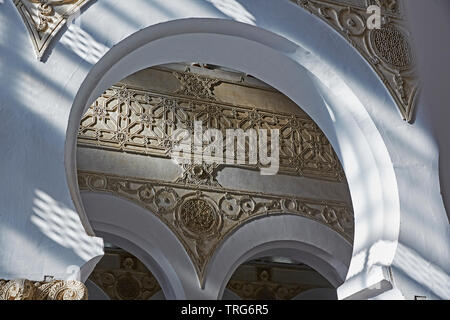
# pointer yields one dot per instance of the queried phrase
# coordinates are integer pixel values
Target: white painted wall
(392, 167)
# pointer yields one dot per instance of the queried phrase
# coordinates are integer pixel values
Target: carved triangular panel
(45, 18)
(387, 49)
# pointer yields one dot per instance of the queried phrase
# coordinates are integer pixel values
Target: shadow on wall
(413, 150)
(29, 126)
(16, 106)
(63, 226)
(234, 10)
(422, 226)
(432, 56)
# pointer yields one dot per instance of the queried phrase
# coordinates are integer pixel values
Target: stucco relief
(128, 280)
(45, 18)
(131, 280)
(194, 205)
(203, 216)
(388, 49)
(124, 277)
(196, 86)
(389, 6)
(22, 289)
(152, 123)
(265, 288)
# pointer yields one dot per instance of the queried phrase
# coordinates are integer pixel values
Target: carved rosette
(197, 216)
(203, 216)
(387, 50)
(23, 289)
(45, 18)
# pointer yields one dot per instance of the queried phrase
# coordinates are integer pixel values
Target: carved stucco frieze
(264, 288)
(152, 123)
(45, 18)
(199, 174)
(124, 277)
(22, 289)
(388, 50)
(196, 86)
(203, 216)
(130, 280)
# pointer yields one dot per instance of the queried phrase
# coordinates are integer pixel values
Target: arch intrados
(288, 67)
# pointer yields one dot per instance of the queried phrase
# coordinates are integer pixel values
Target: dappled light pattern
(235, 10)
(403, 165)
(376, 256)
(83, 44)
(44, 19)
(63, 226)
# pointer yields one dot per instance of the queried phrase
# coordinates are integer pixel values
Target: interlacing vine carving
(203, 216)
(388, 49)
(23, 289)
(153, 123)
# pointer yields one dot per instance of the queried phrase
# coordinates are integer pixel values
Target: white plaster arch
(141, 233)
(304, 75)
(124, 239)
(392, 167)
(295, 237)
(230, 295)
(95, 292)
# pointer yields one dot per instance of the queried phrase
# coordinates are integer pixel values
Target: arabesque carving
(130, 280)
(264, 288)
(124, 277)
(22, 289)
(203, 216)
(196, 86)
(387, 50)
